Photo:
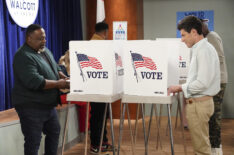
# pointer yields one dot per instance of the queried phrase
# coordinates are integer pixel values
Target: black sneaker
(107, 147)
(95, 150)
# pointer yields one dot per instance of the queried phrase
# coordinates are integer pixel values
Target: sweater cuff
(42, 85)
(185, 90)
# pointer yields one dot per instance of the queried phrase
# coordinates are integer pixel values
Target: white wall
(160, 21)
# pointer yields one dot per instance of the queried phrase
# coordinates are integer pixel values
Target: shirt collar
(198, 43)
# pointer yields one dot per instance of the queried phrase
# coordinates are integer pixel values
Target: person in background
(37, 80)
(202, 84)
(215, 120)
(97, 109)
(64, 63)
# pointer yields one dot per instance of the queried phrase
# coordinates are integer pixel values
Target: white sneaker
(213, 151)
(219, 151)
(216, 151)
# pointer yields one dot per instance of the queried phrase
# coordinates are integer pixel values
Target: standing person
(215, 120)
(97, 109)
(36, 92)
(202, 84)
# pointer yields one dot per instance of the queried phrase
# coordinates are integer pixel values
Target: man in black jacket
(36, 92)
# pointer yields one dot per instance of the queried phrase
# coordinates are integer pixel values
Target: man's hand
(174, 89)
(62, 76)
(63, 83)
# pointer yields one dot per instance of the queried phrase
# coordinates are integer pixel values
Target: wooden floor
(227, 139)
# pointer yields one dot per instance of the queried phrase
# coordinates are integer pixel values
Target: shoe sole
(101, 153)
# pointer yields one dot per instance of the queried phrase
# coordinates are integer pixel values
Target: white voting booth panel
(119, 68)
(184, 55)
(94, 67)
(146, 68)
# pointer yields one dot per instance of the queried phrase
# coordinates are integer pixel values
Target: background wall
(160, 22)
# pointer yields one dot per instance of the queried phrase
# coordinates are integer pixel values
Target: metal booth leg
(86, 127)
(121, 126)
(159, 123)
(130, 129)
(168, 122)
(103, 126)
(136, 124)
(170, 128)
(151, 115)
(65, 127)
(112, 128)
(143, 123)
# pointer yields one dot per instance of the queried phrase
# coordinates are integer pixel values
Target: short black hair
(31, 28)
(101, 26)
(189, 23)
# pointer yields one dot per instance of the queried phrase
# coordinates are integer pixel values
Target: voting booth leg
(136, 124)
(121, 126)
(65, 128)
(170, 128)
(130, 128)
(151, 115)
(86, 127)
(168, 122)
(143, 123)
(103, 126)
(159, 123)
(177, 111)
(181, 124)
(112, 128)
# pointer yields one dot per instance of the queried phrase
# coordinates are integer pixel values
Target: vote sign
(93, 67)
(145, 66)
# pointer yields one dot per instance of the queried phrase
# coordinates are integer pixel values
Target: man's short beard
(41, 50)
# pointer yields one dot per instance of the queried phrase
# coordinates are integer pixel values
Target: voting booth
(96, 76)
(150, 67)
(140, 70)
(96, 67)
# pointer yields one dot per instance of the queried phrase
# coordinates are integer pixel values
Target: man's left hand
(174, 89)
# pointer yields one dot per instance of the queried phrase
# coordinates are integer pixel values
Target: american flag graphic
(180, 57)
(86, 61)
(141, 61)
(118, 60)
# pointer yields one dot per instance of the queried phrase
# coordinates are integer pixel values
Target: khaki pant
(198, 114)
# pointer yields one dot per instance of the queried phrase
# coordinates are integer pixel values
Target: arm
(58, 84)
(26, 71)
(62, 76)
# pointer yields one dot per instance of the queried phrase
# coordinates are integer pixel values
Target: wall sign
(204, 14)
(23, 12)
(120, 30)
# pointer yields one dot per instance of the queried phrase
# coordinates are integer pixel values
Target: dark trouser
(215, 120)
(33, 123)
(96, 121)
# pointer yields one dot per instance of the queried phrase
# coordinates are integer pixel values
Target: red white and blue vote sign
(93, 67)
(145, 68)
